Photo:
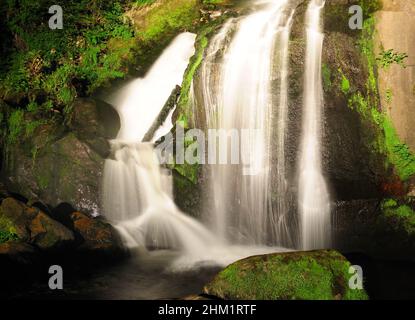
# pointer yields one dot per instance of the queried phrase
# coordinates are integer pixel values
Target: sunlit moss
(318, 275)
(403, 216)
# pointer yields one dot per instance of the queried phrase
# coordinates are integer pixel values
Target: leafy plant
(389, 95)
(389, 57)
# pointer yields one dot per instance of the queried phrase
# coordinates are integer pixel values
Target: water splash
(314, 201)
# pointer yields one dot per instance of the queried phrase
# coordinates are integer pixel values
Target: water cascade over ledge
(243, 85)
(236, 84)
(313, 198)
(137, 192)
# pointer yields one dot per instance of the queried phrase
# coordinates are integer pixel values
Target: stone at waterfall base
(314, 275)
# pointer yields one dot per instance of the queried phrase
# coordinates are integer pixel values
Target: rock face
(60, 164)
(94, 122)
(315, 275)
(351, 170)
(396, 30)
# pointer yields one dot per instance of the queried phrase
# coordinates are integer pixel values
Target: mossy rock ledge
(314, 275)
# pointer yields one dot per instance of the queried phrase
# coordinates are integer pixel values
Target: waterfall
(314, 201)
(242, 85)
(240, 65)
(137, 193)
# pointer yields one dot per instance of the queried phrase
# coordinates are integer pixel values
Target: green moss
(398, 153)
(367, 103)
(171, 16)
(63, 63)
(326, 73)
(15, 125)
(318, 275)
(399, 216)
(7, 230)
(345, 83)
(195, 62)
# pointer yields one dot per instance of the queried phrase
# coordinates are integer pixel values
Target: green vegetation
(402, 215)
(7, 230)
(162, 20)
(184, 102)
(389, 96)
(389, 57)
(345, 83)
(326, 74)
(44, 70)
(367, 103)
(54, 66)
(316, 275)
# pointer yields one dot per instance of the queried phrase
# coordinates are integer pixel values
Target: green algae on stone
(7, 229)
(402, 215)
(314, 275)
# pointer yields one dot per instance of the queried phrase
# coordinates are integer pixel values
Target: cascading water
(314, 201)
(244, 85)
(137, 192)
(137, 195)
(235, 82)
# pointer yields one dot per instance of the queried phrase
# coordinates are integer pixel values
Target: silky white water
(137, 192)
(313, 198)
(236, 76)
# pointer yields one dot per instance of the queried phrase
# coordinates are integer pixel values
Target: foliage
(402, 215)
(389, 96)
(345, 83)
(15, 125)
(367, 104)
(7, 230)
(62, 64)
(389, 57)
(162, 20)
(326, 74)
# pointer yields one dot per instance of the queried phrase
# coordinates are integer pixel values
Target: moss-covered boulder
(315, 275)
(55, 166)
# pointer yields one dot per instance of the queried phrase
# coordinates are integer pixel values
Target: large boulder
(64, 169)
(98, 236)
(315, 275)
(94, 122)
(33, 226)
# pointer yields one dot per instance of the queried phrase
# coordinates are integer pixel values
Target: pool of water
(143, 276)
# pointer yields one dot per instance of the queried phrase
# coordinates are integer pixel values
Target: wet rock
(48, 234)
(314, 275)
(64, 163)
(55, 166)
(18, 251)
(97, 235)
(93, 122)
(31, 225)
